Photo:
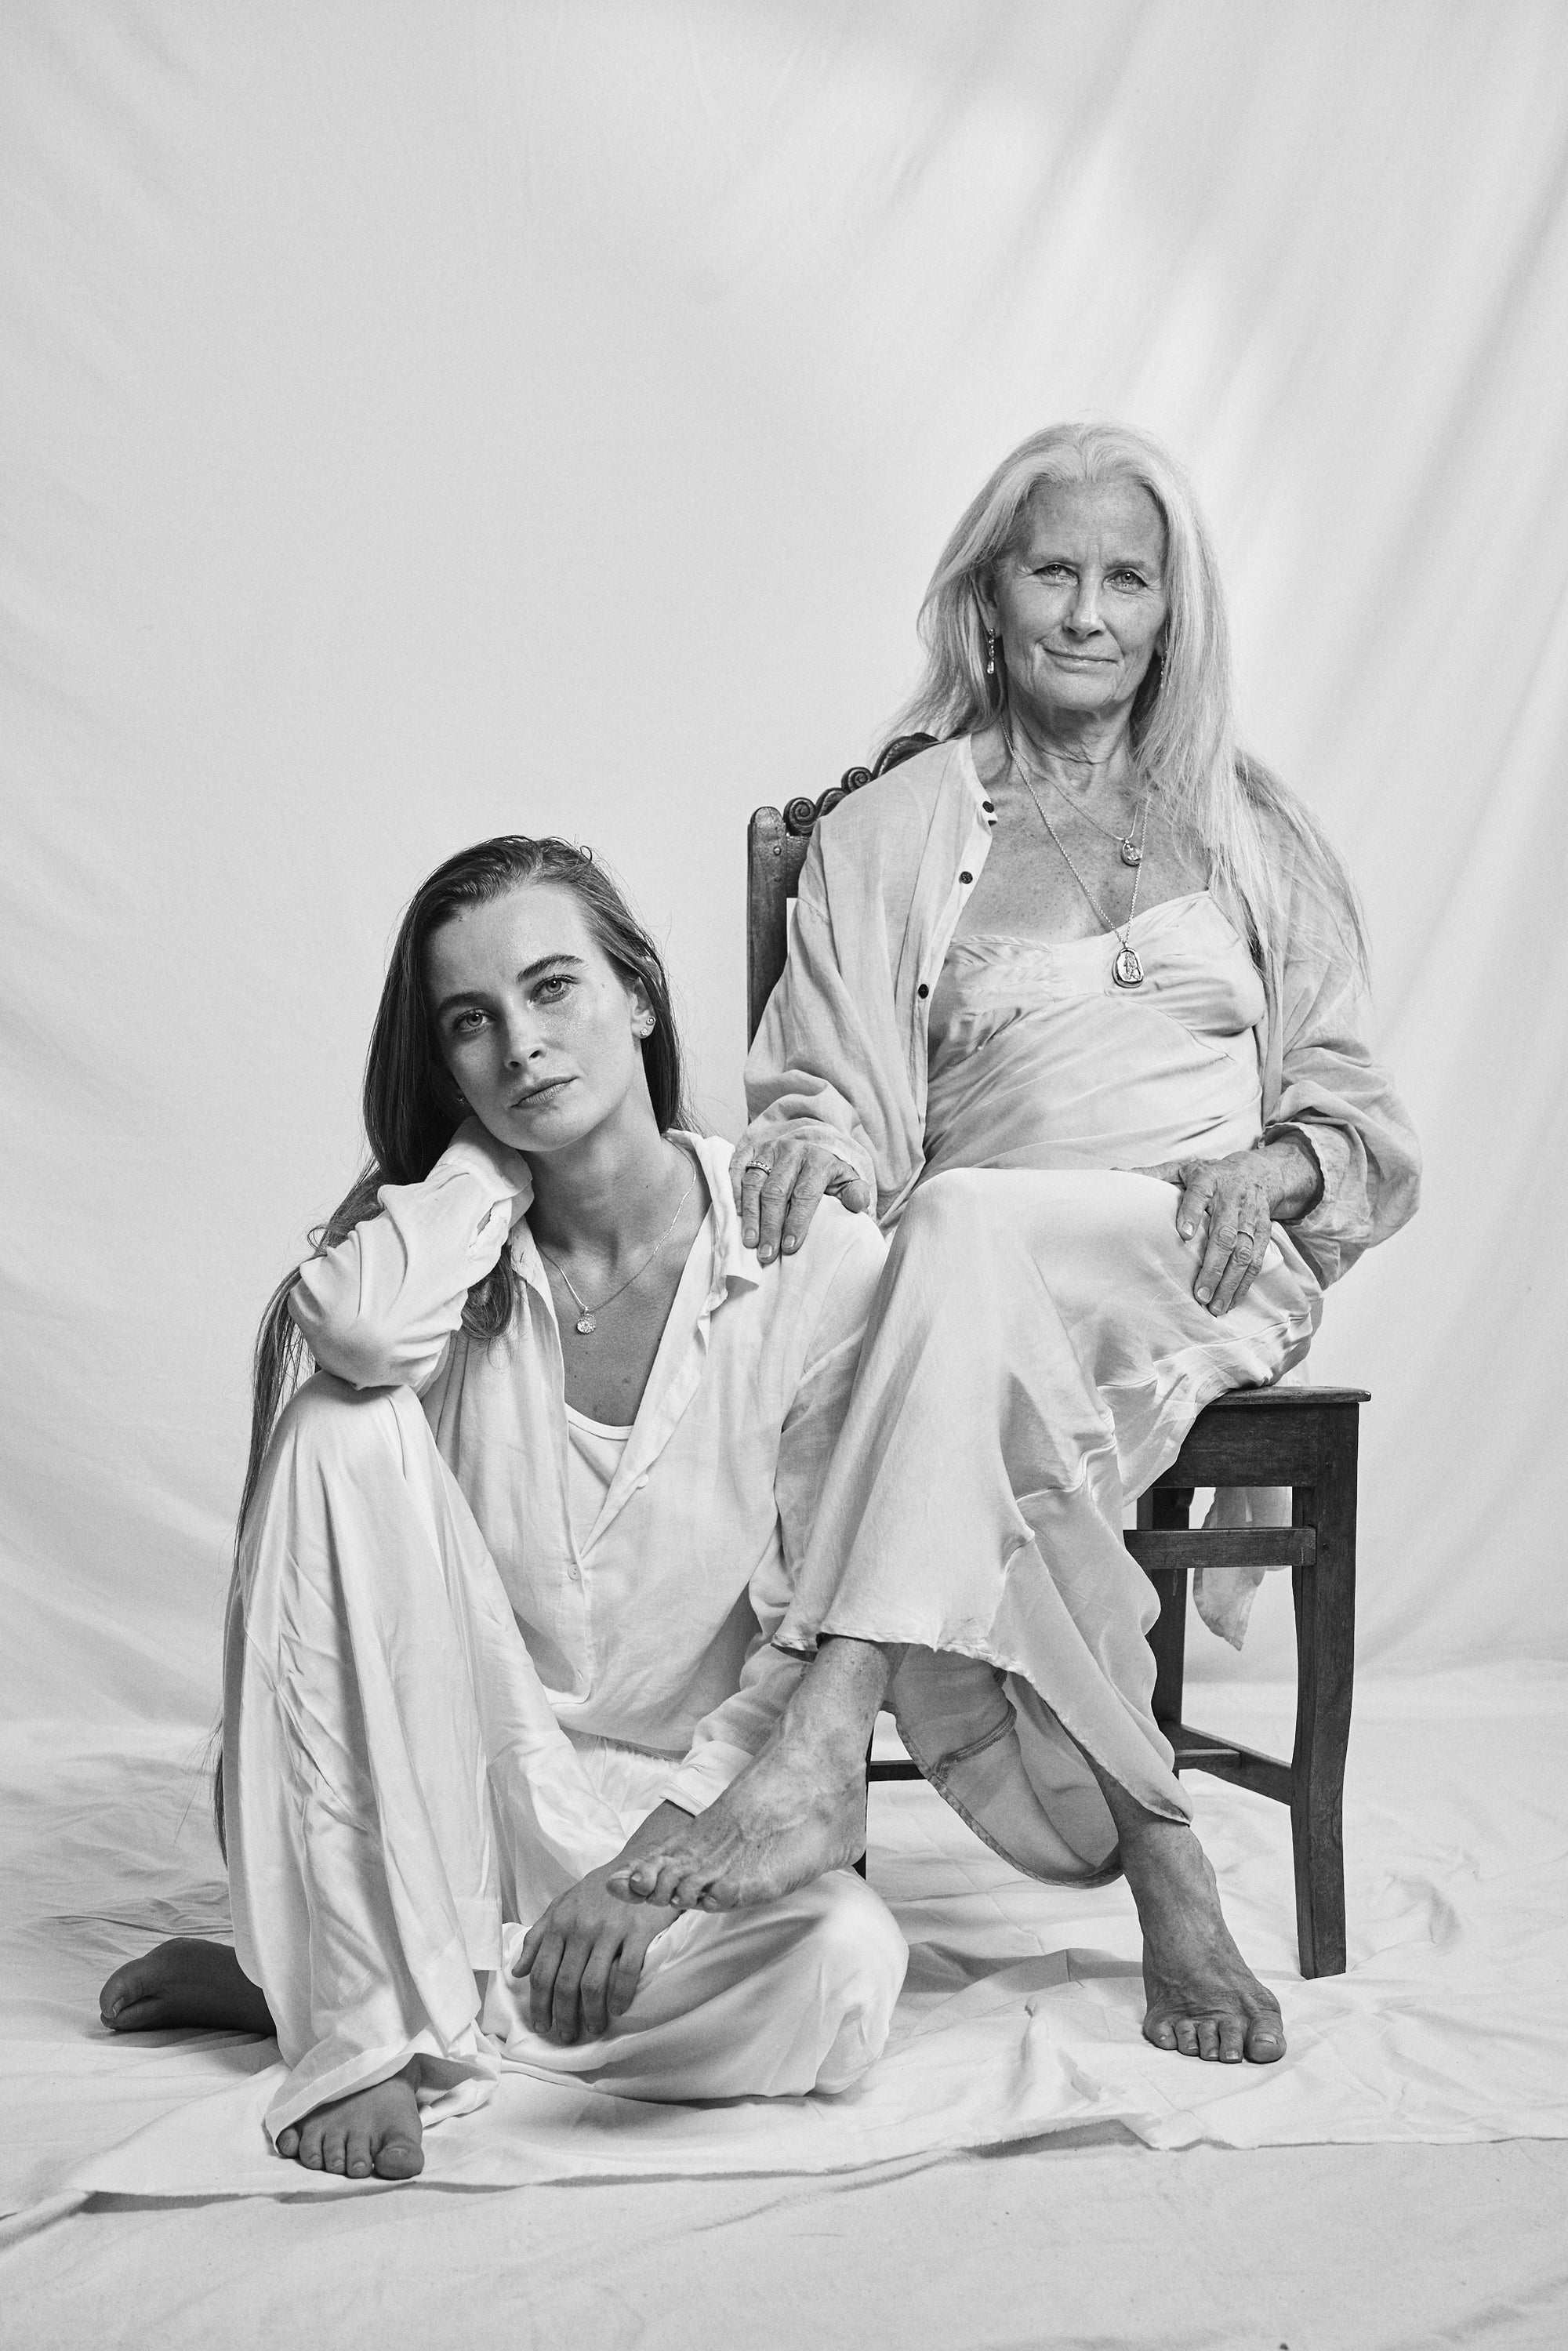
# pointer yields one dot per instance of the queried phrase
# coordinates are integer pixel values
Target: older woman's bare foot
(185, 1981)
(1204, 2000)
(796, 1811)
(376, 2131)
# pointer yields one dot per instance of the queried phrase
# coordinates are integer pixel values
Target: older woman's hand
(778, 1186)
(1239, 1198)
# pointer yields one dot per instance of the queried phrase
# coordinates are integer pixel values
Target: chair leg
(870, 1742)
(1325, 1661)
(1168, 1505)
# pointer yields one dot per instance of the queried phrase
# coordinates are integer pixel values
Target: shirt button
(573, 1575)
(965, 877)
(922, 990)
(989, 806)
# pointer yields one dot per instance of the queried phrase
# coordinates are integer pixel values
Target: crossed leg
(800, 1809)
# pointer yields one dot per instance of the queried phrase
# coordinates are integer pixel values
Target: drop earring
(990, 652)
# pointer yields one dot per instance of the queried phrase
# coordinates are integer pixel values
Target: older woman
(1077, 955)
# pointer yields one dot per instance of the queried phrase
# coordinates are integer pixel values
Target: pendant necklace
(1128, 846)
(588, 1316)
(1125, 968)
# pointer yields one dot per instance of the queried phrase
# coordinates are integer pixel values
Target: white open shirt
(653, 1629)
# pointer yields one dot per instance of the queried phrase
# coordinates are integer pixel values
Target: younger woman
(509, 1563)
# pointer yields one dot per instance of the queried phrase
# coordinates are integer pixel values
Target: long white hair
(1183, 722)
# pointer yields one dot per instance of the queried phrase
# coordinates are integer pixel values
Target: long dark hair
(412, 1104)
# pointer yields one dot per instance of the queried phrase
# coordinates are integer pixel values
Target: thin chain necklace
(1129, 848)
(1125, 968)
(588, 1316)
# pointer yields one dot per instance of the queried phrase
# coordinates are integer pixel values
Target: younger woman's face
(536, 1024)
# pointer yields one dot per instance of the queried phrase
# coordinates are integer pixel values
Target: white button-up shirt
(841, 1056)
(655, 1629)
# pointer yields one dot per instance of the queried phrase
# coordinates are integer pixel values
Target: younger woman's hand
(583, 1958)
(778, 1187)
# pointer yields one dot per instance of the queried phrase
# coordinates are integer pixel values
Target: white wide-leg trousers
(401, 1804)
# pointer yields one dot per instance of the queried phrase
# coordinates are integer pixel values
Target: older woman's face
(1078, 602)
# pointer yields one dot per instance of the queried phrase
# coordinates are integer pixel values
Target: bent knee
(857, 1940)
(947, 1212)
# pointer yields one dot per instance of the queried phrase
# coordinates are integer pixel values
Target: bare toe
(400, 2158)
(1265, 2043)
(696, 1891)
(1208, 2039)
(137, 2016)
(125, 1989)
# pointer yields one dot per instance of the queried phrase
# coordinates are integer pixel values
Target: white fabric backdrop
(424, 423)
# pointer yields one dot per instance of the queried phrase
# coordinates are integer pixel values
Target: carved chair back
(776, 841)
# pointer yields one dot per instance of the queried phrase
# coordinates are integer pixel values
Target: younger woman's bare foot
(376, 2130)
(184, 1983)
(796, 1811)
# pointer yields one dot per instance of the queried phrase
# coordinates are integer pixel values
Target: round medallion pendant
(585, 1321)
(1131, 853)
(1126, 971)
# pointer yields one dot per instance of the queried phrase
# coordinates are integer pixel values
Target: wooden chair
(1297, 1437)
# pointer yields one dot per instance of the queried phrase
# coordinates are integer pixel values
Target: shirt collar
(732, 1261)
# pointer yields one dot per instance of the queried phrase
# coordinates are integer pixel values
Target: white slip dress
(1035, 1358)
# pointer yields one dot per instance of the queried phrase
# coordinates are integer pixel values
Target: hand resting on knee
(583, 1958)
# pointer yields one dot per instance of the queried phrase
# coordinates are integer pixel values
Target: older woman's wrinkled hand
(779, 1187)
(1231, 1204)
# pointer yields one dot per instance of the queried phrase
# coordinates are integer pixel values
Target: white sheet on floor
(1020, 2017)
(339, 346)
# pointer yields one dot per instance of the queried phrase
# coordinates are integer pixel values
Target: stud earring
(990, 652)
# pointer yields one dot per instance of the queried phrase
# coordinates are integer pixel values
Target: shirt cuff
(705, 1775)
(505, 1174)
(1308, 1139)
